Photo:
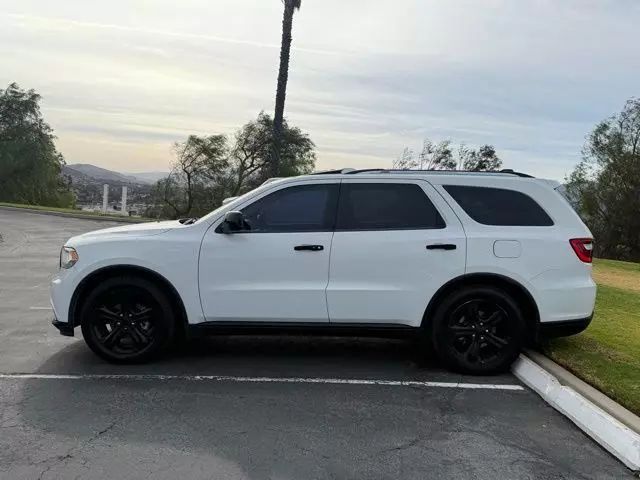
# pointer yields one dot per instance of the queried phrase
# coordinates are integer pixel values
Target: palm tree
(290, 6)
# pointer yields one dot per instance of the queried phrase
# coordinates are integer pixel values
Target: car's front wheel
(127, 320)
(478, 330)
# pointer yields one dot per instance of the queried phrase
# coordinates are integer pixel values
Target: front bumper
(61, 291)
(64, 328)
(564, 328)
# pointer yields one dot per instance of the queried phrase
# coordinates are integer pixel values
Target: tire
(127, 319)
(478, 330)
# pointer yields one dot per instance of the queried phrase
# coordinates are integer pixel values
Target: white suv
(479, 264)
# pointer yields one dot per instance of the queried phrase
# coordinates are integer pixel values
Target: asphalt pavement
(234, 407)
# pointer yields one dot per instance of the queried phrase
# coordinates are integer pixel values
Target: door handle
(311, 248)
(441, 246)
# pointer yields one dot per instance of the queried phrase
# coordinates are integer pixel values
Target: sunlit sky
(122, 80)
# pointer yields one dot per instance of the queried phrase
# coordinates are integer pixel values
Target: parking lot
(253, 407)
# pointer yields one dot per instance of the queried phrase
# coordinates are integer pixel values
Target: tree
(483, 159)
(30, 165)
(605, 185)
(199, 164)
(406, 160)
(250, 154)
(249, 159)
(437, 156)
(440, 156)
(208, 169)
(290, 6)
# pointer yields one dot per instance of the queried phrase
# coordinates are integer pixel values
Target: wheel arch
(101, 274)
(520, 294)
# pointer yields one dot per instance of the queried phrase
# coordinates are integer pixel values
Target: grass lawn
(75, 211)
(607, 354)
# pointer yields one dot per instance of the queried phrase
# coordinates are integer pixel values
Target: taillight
(583, 248)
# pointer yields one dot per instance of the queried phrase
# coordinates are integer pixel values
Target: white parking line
(40, 308)
(226, 378)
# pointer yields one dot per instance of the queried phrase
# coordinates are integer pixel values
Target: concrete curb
(611, 433)
(568, 379)
(76, 215)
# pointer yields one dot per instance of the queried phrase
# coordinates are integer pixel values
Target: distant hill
(102, 174)
(149, 177)
(87, 180)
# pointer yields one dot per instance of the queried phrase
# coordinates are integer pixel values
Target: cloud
(121, 81)
(35, 23)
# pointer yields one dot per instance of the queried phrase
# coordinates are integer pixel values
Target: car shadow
(271, 355)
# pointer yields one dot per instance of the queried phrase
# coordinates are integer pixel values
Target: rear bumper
(564, 293)
(63, 327)
(564, 328)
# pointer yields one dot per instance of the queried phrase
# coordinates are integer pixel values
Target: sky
(121, 81)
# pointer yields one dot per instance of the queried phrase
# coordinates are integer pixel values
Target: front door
(396, 243)
(277, 270)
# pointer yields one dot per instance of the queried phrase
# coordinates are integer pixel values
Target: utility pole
(123, 203)
(105, 197)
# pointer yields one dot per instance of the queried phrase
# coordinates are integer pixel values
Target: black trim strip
(63, 327)
(564, 328)
(382, 330)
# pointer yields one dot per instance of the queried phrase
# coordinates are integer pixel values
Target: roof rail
(507, 171)
(364, 170)
(330, 172)
(513, 172)
(353, 171)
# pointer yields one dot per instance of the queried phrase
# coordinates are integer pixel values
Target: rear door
(396, 243)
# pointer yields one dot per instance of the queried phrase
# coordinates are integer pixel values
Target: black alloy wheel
(478, 331)
(126, 320)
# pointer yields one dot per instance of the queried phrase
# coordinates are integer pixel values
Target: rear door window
(386, 206)
(499, 206)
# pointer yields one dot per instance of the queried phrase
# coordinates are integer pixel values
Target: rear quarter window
(499, 206)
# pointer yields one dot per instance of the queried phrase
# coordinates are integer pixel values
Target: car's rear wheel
(127, 320)
(478, 330)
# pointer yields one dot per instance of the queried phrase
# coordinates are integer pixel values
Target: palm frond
(296, 4)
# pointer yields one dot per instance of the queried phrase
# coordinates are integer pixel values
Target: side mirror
(233, 222)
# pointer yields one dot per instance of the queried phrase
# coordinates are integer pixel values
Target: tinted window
(304, 208)
(497, 206)
(385, 206)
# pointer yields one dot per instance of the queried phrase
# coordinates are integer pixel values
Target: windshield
(227, 207)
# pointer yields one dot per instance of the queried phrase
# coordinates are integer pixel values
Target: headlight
(68, 257)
